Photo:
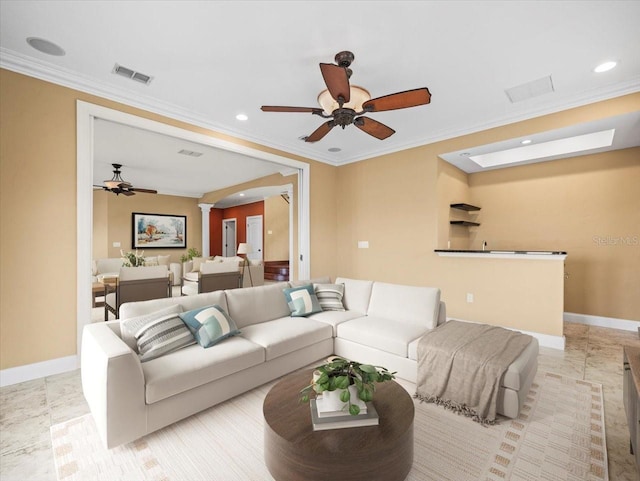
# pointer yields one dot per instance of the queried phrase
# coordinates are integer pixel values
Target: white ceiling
(151, 160)
(212, 60)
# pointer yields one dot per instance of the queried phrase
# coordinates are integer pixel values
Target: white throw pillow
(164, 260)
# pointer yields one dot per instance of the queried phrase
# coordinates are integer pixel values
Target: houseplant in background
(191, 253)
(132, 259)
(344, 379)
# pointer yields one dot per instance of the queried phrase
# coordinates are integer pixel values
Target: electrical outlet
(469, 297)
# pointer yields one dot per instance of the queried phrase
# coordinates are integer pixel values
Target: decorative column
(205, 208)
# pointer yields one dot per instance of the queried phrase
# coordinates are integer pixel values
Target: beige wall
(400, 204)
(38, 215)
(588, 206)
(392, 201)
(119, 209)
(276, 229)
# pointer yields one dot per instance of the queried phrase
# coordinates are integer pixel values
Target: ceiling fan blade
(400, 100)
(337, 81)
(320, 131)
(373, 127)
(126, 192)
(147, 191)
(275, 108)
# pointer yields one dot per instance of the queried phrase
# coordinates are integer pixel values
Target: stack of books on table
(323, 420)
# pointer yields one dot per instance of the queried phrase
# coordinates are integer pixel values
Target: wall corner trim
(28, 372)
(610, 322)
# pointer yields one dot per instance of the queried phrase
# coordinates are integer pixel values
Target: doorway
(86, 115)
(229, 234)
(254, 237)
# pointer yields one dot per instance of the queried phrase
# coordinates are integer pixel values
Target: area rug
(558, 436)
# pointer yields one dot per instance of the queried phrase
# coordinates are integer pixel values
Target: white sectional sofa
(381, 325)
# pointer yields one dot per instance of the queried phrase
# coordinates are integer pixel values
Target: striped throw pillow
(209, 325)
(330, 296)
(162, 336)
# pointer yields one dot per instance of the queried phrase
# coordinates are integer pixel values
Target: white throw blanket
(461, 364)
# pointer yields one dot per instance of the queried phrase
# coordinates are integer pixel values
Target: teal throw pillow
(302, 300)
(209, 325)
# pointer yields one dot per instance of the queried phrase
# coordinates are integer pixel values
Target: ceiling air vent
(132, 74)
(190, 153)
(531, 89)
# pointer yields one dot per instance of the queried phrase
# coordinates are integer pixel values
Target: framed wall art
(158, 231)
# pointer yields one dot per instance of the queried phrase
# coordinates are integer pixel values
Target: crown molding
(31, 67)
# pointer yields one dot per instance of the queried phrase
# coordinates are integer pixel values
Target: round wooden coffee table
(293, 451)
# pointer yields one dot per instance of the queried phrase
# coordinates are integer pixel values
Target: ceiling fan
(345, 104)
(119, 186)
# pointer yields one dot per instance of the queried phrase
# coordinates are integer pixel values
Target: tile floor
(27, 410)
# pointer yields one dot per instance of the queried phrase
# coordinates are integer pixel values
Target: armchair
(210, 277)
(136, 284)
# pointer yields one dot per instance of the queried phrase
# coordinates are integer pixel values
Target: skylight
(552, 148)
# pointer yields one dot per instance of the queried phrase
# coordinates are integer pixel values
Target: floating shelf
(463, 222)
(467, 207)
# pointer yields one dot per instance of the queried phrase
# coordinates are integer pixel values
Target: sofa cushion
(383, 334)
(194, 366)
(151, 261)
(302, 301)
(130, 325)
(133, 309)
(356, 294)
(163, 336)
(108, 265)
(407, 304)
(287, 334)
(252, 305)
(209, 325)
(333, 318)
(330, 296)
(164, 260)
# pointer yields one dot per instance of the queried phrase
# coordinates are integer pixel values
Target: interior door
(229, 237)
(254, 236)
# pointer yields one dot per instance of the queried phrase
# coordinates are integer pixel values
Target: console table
(293, 451)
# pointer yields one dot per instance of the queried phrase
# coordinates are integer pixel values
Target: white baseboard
(14, 375)
(610, 322)
(545, 340)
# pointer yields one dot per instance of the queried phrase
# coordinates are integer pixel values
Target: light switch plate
(363, 244)
(116, 244)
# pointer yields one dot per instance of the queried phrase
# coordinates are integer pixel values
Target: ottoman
(515, 383)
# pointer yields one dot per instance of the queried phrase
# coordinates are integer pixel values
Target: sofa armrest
(113, 385)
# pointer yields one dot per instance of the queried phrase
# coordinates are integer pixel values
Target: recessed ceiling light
(334, 149)
(605, 67)
(526, 141)
(45, 46)
(242, 117)
(569, 145)
(241, 194)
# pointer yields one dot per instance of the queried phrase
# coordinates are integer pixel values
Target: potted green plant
(338, 374)
(132, 259)
(191, 253)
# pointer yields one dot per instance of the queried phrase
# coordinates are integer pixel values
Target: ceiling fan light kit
(118, 185)
(345, 104)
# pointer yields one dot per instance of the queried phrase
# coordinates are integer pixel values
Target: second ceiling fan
(346, 104)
